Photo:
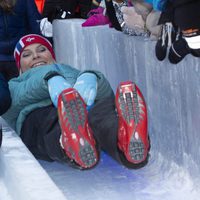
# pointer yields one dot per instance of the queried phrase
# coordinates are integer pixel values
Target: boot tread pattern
(129, 106)
(74, 112)
(129, 109)
(87, 154)
(136, 149)
(76, 117)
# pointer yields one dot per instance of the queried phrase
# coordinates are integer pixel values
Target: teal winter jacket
(29, 91)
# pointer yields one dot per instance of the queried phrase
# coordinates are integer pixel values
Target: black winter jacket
(21, 21)
(183, 13)
(187, 14)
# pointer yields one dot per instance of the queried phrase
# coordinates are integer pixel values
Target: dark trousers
(5, 99)
(41, 132)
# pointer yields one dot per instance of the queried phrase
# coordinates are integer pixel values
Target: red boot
(77, 137)
(132, 132)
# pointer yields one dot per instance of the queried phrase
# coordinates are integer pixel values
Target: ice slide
(172, 94)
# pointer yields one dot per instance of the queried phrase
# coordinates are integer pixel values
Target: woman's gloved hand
(86, 85)
(56, 85)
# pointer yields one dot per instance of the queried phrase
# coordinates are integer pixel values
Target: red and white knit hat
(28, 40)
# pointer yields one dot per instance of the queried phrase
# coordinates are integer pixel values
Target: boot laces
(167, 33)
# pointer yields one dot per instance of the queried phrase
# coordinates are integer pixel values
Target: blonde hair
(7, 5)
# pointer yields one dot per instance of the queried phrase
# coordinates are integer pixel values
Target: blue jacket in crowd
(15, 24)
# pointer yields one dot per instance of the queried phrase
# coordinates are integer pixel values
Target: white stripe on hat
(16, 50)
(21, 43)
(193, 42)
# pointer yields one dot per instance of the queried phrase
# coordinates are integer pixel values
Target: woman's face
(35, 55)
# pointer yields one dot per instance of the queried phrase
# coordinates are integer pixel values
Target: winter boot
(77, 138)
(132, 132)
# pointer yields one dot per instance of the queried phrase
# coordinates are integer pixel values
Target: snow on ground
(22, 177)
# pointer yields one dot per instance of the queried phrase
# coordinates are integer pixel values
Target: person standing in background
(17, 18)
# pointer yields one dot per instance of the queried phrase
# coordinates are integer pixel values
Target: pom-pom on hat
(28, 40)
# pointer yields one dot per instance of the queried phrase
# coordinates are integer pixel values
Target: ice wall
(21, 176)
(172, 94)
